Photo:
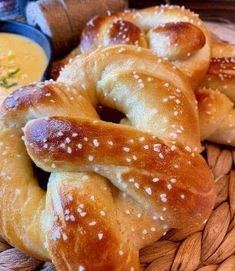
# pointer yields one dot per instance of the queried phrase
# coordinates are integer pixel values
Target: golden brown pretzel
(216, 111)
(216, 116)
(22, 220)
(221, 72)
(174, 40)
(159, 180)
(170, 31)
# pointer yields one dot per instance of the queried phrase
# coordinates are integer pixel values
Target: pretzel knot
(169, 31)
(113, 189)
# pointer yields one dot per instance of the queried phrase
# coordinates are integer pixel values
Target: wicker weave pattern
(211, 249)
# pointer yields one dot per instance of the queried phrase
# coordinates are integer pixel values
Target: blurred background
(12, 9)
(224, 9)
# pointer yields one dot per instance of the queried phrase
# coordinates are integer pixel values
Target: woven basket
(211, 249)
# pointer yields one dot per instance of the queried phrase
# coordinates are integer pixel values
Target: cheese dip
(22, 61)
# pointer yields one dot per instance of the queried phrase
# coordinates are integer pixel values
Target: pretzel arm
(138, 161)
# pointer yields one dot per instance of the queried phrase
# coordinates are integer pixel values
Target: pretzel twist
(176, 34)
(169, 31)
(216, 111)
(221, 72)
(135, 183)
(217, 116)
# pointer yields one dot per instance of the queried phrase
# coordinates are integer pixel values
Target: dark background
(214, 8)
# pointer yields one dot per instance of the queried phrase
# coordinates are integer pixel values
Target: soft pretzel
(59, 64)
(221, 72)
(222, 49)
(162, 35)
(160, 29)
(162, 39)
(216, 111)
(159, 181)
(216, 116)
(170, 31)
(175, 41)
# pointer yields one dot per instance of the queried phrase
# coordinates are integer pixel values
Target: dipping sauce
(22, 61)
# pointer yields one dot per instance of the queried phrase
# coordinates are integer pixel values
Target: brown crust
(222, 68)
(221, 76)
(42, 98)
(124, 32)
(183, 39)
(28, 96)
(102, 31)
(183, 32)
(191, 55)
(88, 39)
(213, 108)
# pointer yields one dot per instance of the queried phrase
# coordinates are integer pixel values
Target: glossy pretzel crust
(113, 189)
(169, 31)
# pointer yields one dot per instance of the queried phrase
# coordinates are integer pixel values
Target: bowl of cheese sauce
(25, 55)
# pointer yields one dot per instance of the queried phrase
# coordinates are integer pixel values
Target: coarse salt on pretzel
(113, 189)
(170, 31)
